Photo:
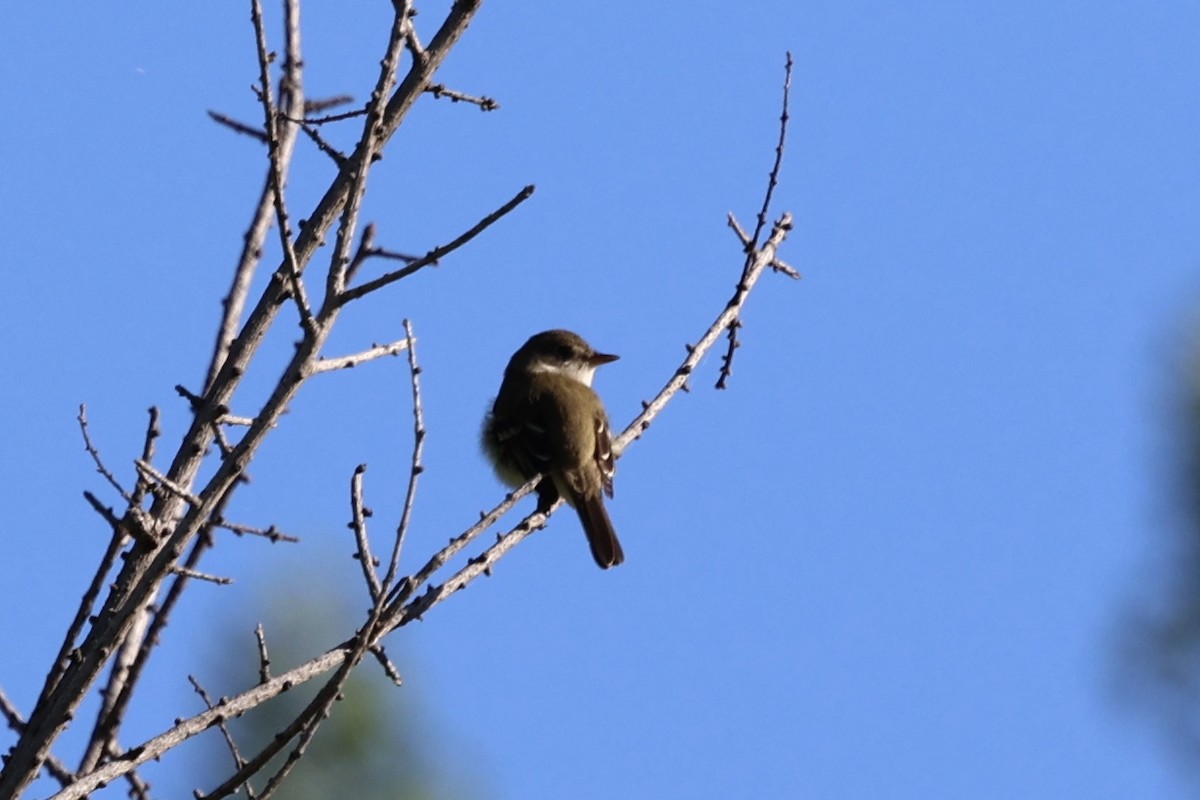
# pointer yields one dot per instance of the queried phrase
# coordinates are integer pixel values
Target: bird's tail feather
(599, 529)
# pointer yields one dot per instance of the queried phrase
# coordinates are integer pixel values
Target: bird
(546, 419)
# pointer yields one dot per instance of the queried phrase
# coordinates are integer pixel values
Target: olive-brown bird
(548, 420)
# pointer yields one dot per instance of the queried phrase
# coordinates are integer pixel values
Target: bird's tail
(599, 529)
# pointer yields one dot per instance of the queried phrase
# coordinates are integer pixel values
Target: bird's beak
(597, 359)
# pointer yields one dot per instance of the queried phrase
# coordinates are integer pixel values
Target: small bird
(548, 420)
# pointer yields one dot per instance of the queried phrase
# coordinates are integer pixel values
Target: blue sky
(891, 560)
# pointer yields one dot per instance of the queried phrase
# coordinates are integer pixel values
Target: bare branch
(270, 533)
(358, 524)
(135, 650)
(238, 127)
(238, 761)
(773, 178)
(166, 483)
(95, 454)
(358, 112)
(389, 668)
(152, 434)
(480, 565)
(316, 106)
(264, 660)
(436, 253)
(762, 259)
(779, 265)
(186, 729)
(335, 155)
(751, 246)
(87, 602)
(367, 249)
(292, 91)
(103, 739)
(366, 244)
(736, 226)
(201, 576)
(104, 511)
(57, 769)
(417, 467)
(484, 103)
(409, 586)
(145, 570)
(357, 167)
(281, 147)
(354, 359)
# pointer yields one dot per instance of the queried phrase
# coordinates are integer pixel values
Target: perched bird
(547, 420)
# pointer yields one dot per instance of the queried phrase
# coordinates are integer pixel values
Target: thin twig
(410, 496)
(104, 511)
(270, 533)
(358, 524)
(152, 434)
(358, 112)
(696, 352)
(779, 265)
(484, 103)
(409, 586)
(367, 249)
(480, 565)
(264, 660)
(236, 753)
(366, 244)
(354, 359)
(752, 245)
(335, 155)
(201, 576)
(357, 167)
(95, 454)
(292, 91)
(238, 127)
(316, 106)
(436, 253)
(389, 668)
(773, 178)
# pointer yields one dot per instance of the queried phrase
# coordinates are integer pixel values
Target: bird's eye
(564, 352)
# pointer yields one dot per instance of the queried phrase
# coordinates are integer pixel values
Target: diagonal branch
(234, 751)
(436, 253)
(95, 454)
(354, 359)
(485, 103)
(762, 259)
(751, 243)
